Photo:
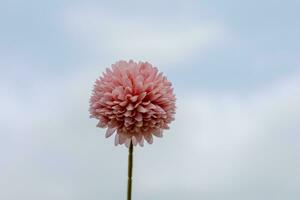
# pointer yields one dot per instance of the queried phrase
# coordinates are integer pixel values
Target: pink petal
(130, 107)
(109, 132)
(141, 109)
(134, 141)
(116, 139)
(101, 124)
(134, 98)
(127, 143)
(141, 142)
(148, 138)
(138, 117)
(122, 139)
(158, 133)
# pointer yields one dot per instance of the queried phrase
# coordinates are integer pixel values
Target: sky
(235, 68)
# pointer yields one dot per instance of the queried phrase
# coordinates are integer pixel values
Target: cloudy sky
(235, 67)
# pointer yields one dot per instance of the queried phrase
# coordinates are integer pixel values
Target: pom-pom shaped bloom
(134, 100)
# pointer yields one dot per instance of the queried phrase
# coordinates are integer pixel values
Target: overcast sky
(235, 67)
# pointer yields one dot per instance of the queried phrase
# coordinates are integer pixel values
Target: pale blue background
(235, 67)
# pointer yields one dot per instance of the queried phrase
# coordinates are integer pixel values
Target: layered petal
(134, 101)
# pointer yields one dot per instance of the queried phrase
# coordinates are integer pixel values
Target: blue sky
(235, 68)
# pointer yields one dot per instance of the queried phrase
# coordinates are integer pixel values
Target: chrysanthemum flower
(134, 100)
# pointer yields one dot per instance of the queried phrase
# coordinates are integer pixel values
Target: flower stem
(129, 183)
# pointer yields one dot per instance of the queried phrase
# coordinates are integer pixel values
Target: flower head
(134, 100)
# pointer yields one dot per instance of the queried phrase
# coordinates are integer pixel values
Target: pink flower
(133, 100)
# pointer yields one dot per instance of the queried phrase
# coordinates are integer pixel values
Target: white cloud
(228, 147)
(221, 146)
(103, 31)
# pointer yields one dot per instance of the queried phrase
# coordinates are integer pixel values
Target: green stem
(129, 183)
